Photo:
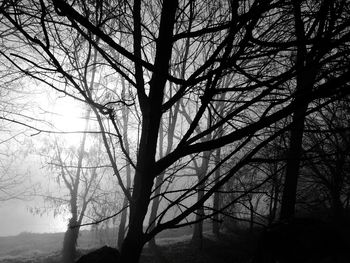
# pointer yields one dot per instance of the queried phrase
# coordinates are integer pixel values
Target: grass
(173, 246)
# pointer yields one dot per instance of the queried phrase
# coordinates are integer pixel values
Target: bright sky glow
(65, 115)
(68, 116)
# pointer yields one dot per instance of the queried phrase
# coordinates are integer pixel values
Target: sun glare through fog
(68, 120)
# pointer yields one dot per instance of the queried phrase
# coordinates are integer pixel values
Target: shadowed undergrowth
(224, 249)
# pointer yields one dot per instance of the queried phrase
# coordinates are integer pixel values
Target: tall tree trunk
(306, 73)
(122, 224)
(337, 185)
(293, 163)
(216, 200)
(151, 108)
(143, 183)
(197, 237)
(135, 238)
(170, 135)
(275, 192)
(70, 242)
(307, 65)
(121, 228)
(252, 211)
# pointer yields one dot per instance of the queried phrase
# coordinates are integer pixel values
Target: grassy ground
(171, 249)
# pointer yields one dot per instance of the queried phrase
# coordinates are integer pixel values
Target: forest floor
(174, 248)
(223, 249)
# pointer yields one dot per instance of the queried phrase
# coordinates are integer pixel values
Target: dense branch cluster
(198, 102)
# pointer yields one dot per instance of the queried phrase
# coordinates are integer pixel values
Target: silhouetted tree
(276, 68)
(315, 41)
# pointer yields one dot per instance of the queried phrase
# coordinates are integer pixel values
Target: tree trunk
(306, 73)
(151, 108)
(197, 237)
(275, 192)
(293, 163)
(121, 229)
(125, 115)
(337, 185)
(135, 238)
(70, 242)
(143, 183)
(337, 206)
(155, 205)
(216, 200)
(252, 211)
(132, 248)
(216, 219)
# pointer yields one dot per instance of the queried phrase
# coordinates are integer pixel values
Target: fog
(15, 218)
(21, 149)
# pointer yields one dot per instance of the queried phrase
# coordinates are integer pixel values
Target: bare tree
(312, 67)
(325, 169)
(80, 170)
(249, 41)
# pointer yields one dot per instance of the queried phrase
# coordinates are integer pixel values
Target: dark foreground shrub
(302, 240)
(102, 255)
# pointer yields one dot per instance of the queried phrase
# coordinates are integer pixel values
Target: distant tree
(80, 171)
(217, 199)
(270, 165)
(14, 181)
(128, 169)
